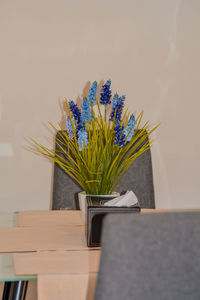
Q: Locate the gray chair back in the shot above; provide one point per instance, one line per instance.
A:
(150, 256)
(65, 189)
(138, 178)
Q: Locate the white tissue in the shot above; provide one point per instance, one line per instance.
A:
(127, 199)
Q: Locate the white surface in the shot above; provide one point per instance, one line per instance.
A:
(127, 199)
(149, 49)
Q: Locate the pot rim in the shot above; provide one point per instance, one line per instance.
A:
(101, 196)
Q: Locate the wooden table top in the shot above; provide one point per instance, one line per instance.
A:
(53, 244)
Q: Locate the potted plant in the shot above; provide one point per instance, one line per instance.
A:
(102, 139)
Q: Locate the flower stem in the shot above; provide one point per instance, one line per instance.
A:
(105, 112)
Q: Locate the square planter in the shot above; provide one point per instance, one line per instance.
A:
(94, 218)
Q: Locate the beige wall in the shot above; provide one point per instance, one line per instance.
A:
(50, 49)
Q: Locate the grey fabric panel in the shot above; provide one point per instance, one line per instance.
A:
(138, 178)
(150, 256)
(65, 190)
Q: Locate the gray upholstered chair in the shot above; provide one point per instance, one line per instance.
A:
(150, 256)
(138, 178)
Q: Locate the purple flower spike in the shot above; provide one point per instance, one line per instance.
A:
(106, 93)
(119, 136)
(75, 111)
(118, 104)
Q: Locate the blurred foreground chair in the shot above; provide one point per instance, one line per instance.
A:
(150, 256)
(138, 178)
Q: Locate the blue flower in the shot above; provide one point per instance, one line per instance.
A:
(82, 139)
(75, 111)
(115, 100)
(114, 103)
(70, 127)
(86, 111)
(117, 107)
(130, 129)
(93, 93)
(80, 126)
(119, 136)
(106, 93)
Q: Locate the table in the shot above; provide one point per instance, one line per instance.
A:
(13, 282)
(15, 285)
(14, 227)
(41, 222)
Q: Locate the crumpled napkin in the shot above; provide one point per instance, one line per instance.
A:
(128, 199)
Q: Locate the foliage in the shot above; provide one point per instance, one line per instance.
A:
(96, 150)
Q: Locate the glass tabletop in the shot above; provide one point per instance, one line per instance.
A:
(9, 220)
(7, 271)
